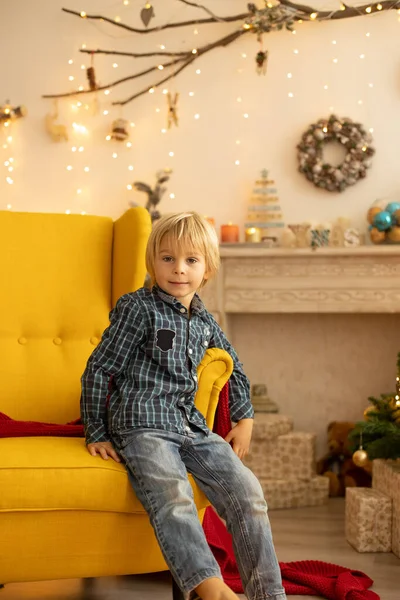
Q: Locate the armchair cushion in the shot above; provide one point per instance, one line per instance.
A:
(42, 473)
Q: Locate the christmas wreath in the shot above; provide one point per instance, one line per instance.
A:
(357, 143)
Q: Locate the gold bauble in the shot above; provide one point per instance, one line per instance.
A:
(393, 235)
(374, 210)
(368, 410)
(377, 237)
(397, 216)
(360, 458)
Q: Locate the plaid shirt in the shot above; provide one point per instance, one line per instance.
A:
(152, 349)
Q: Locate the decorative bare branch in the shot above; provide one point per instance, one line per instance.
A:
(230, 19)
(258, 21)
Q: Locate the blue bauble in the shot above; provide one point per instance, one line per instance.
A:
(383, 220)
(392, 207)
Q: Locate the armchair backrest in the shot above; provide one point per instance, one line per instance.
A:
(60, 277)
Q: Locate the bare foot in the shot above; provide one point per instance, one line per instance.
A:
(215, 589)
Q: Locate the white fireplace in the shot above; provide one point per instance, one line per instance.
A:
(320, 327)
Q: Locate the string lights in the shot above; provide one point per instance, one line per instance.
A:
(82, 128)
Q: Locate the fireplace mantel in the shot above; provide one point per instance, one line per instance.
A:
(256, 279)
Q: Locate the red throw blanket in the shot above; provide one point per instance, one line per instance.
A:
(308, 577)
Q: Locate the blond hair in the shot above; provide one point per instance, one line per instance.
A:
(188, 231)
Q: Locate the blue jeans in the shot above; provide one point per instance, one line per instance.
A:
(158, 462)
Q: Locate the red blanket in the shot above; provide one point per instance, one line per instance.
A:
(309, 577)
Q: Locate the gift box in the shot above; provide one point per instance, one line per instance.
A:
(268, 426)
(386, 477)
(294, 493)
(368, 522)
(290, 456)
(396, 530)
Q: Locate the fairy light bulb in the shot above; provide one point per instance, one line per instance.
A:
(115, 65)
(368, 9)
(67, 212)
(197, 116)
(114, 155)
(106, 92)
(160, 67)
(69, 168)
(237, 162)
(81, 149)
(198, 71)
(130, 168)
(289, 75)
(172, 196)
(191, 94)
(70, 61)
(379, 6)
(165, 91)
(171, 154)
(194, 51)
(313, 16)
(9, 180)
(129, 144)
(108, 138)
(117, 19)
(86, 169)
(151, 90)
(290, 94)
(83, 14)
(71, 77)
(246, 115)
(105, 112)
(129, 186)
(9, 206)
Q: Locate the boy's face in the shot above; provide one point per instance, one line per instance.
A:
(179, 272)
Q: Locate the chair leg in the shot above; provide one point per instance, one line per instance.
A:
(177, 593)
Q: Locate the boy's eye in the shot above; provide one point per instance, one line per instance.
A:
(167, 258)
(192, 260)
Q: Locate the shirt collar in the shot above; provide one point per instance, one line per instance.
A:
(196, 307)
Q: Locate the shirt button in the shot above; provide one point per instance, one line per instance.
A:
(190, 351)
(206, 343)
(182, 310)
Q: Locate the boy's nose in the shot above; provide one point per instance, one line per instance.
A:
(179, 267)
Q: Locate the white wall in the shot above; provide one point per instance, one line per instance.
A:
(38, 40)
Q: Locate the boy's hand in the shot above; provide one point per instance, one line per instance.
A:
(240, 436)
(105, 449)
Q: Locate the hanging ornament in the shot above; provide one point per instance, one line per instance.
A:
(172, 109)
(10, 113)
(360, 457)
(146, 14)
(119, 130)
(262, 61)
(57, 131)
(91, 75)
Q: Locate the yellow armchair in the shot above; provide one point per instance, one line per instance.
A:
(63, 513)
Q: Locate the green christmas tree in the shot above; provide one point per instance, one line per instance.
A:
(380, 432)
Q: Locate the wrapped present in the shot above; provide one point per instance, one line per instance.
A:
(290, 456)
(268, 426)
(386, 477)
(368, 520)
(294, 493)
(396, 530)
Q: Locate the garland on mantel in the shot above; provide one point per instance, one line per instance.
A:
(275, 16)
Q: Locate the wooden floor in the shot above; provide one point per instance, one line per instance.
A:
(299, 534)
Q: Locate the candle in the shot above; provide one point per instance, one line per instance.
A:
(230, 233)
(253, 235)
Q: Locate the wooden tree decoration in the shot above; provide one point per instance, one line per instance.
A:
(275, 16)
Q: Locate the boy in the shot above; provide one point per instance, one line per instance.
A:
(151, 349)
